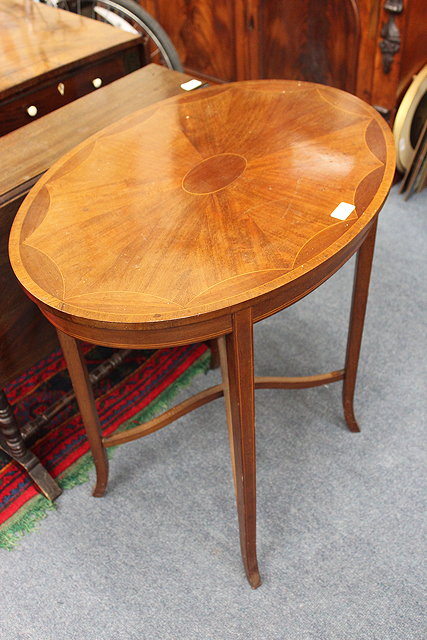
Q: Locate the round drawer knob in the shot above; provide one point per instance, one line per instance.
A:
(32, 111)
(97, 82)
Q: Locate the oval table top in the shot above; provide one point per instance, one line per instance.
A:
(203, 202)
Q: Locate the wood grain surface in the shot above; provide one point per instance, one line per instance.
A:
(322, 44)
(32, 149)
(203, 203)
(25, 335)
(37, 39)
(336, 42)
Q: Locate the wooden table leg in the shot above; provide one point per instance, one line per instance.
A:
(82, 388)
(240, 364)
(222, 355)
(215, 355)
(12, 442)
(357, 317)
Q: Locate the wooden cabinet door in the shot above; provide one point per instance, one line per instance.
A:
(220, 40)
(203, 32)
(334, 42)
(314, 40)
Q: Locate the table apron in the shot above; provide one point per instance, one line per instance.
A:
(139, 338)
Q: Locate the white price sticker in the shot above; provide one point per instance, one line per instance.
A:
(342, 211)
(191, 84)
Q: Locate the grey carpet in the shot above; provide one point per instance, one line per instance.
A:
(340, 515)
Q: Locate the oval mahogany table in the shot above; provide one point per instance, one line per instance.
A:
(196, 217)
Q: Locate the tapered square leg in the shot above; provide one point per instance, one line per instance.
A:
(362, 278)
(241, 401)
(82, 388)
(222, 354)
(215, 355)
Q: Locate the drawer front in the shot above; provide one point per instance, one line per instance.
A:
(65, 88)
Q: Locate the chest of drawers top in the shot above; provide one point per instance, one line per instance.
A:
(37, 41)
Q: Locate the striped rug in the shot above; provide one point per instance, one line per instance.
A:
(142, 386)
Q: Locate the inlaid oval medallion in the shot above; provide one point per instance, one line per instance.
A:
(214, 173)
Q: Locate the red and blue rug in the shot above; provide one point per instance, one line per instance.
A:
(142, 386)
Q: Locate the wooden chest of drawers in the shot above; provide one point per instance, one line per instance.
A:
(50, 57)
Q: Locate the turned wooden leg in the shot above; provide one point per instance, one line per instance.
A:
(240, 365)
(12, 442)
(357, 317)
(82, 388)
